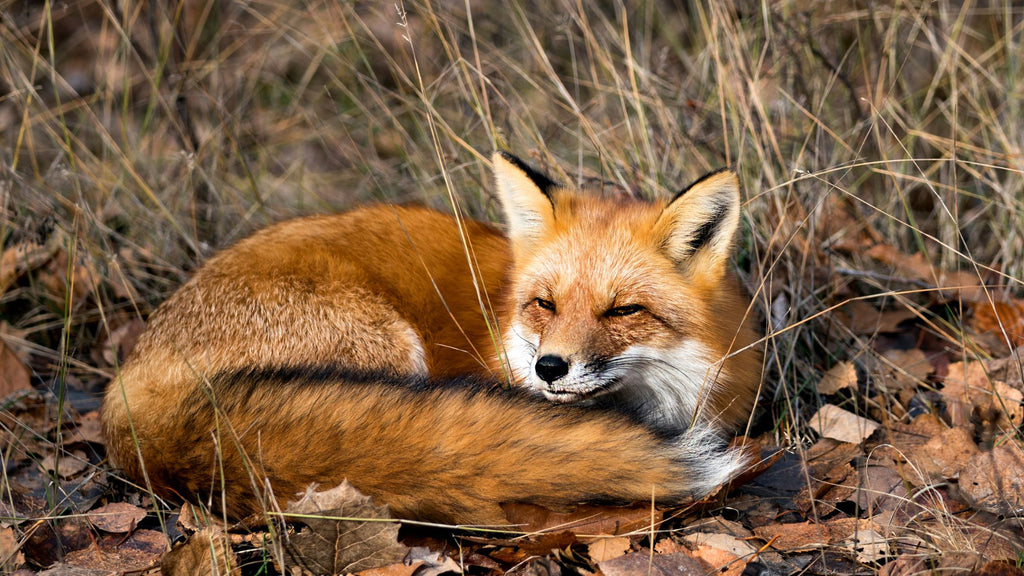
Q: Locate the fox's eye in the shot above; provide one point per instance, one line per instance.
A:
(627, 310)
(545, 304)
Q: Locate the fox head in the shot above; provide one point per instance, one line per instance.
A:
(622, 300)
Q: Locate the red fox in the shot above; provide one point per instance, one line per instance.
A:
(371, 345)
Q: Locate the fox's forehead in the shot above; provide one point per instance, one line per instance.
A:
(586, 222)
(580, 209)
(600, 248)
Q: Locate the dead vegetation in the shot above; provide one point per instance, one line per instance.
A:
(880, 146)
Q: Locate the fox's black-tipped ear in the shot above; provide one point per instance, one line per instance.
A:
(701, 222)
(525, 197)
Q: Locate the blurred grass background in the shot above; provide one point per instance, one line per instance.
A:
(139, 137)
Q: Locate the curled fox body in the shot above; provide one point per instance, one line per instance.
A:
(364, 346)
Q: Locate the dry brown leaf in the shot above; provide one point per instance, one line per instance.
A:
(950, 563)
(909, 266)
(515, 550)
(10, 550)
(721, 561)
(420, 561)
(995, 318)
(917, 267)
(679, 564)
(669, 546)
(869, 546)
(397, 569)
(732, 551)
(327, 545)
(863, 319)
(22, 258)
(998, 568)
(87, 429)
(14, 375)
(946, 455)
(826, 490)
(207, 552)
(968, 390)
(833, 479)
(994, 480)
(67, 465)
(117, 517)
(802, 537)
(602, 549)
(585, 520)
(833, 422)
(905, 370)
(839, 377)
(927, 425)
(140, 551)
(880, 488)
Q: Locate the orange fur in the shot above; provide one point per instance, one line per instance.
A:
(299, 355)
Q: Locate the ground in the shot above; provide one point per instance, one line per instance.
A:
(879, 146)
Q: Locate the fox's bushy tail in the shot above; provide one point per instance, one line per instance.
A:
(445, 452)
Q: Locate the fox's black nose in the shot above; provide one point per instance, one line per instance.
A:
(551, 368)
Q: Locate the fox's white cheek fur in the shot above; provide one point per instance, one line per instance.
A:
(520, 349)
(680, 379)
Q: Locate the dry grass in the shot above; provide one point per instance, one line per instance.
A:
(142, 141)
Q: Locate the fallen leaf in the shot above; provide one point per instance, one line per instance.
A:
(65, 464)
(795, 537)
(946, 455)
(721, 562)
(722, 551)
(870, 546)
(420, 561)
(62, 569)
(994, 480)
(724, 542)
(909, 266)
(949, 563)
(87, 428)
(833, 422)
(602, 549)
(10, 550)
(327, 545)
(839, 377)
(969, 390)
(585, 520)
(880, 488)
(635, 563)
(117, 517)
(905, 369)
(516, 550)
(22, 258)
(14, 375)
(1002, 321)
(719, 525)
(828, 466)
(996, 568)
(207, 552)
(863, 319)
(140, 551)
(397, 569)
